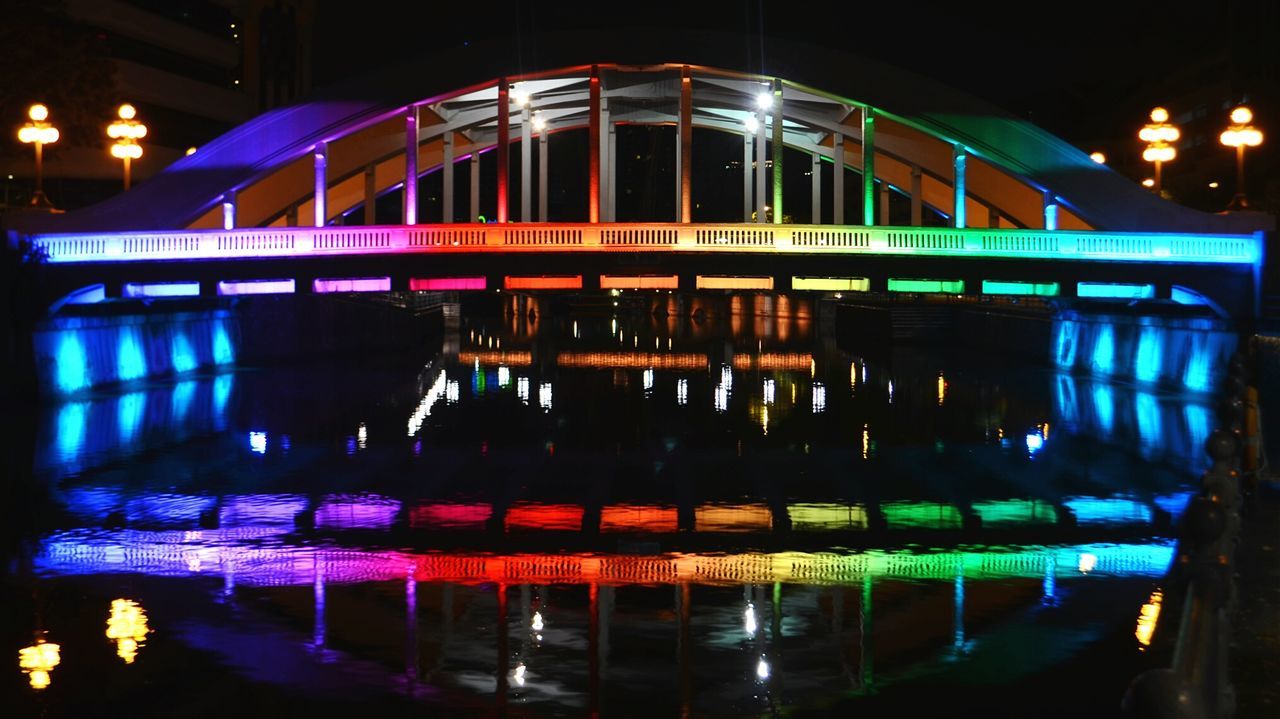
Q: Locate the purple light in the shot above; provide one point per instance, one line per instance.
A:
(356, 512)
(162, 289)
(352, 284)
(255, 287)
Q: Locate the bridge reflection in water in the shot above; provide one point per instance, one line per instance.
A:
(557, 510)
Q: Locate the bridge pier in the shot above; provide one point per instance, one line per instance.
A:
(837, 180)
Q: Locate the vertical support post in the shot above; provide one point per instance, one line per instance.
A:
(778, 151)
(322, 158)
(446, 178)
(747, 139)
(128, 173)
(542, 174)
(526, 165)
(606, 171)
(993, 217)
(684, 146)
(884, 203)
(504, 142)
(868, 166)
(1050, 211)
(593, 145)
(762, 164)
(611, 174)
(475, 185)
(815, 189)
(957, 199)
(917, 196)
(837, 180)
(410, 212)
(370, 194)
(229, 210)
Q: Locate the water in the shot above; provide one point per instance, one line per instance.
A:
(564, 514)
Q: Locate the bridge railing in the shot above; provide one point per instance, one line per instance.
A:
(272, 242)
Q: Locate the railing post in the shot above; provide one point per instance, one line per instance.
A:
(321, 182)
(410, 210)
(229, 210)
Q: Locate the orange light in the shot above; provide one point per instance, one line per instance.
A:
(639, 282)
(638, 518)
(633, 360)
(488, 359)
(560, 282)
(527, 515)
(732, 518)
(798, 361)
(38, 113)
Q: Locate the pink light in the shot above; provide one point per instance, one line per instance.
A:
(256, 287)
(352, 284)
(447, 283)
(449, 516)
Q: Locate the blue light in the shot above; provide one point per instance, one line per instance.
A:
(1175, 504)
(129, 411)
(223, 351)
(1198, 418)
(1104, 407)
(258, 442)
(1066, 340)
(1104, 349)
(1108, 510)
(72, 419)
(1196, 377)
(73, 367)
(1148, 413)
(1150, 351)
(184, 357)
(131, 362)
(1068, 402)
(221, 393)
(1107, 290)
(180, 402)
(1034, 442)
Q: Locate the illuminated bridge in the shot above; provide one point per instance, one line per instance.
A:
(935, 193)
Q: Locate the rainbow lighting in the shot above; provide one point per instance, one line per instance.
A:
(256, 287)
(950, 287)
(352, 284)
(161, 289)
(438, 284)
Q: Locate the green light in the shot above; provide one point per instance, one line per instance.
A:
(950, 287)
(1014, 512)
(921, 515)
(1002, 287)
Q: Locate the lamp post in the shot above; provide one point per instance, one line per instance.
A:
(1159, 134)
(126, 132)
(38, 132)
(1240, 135)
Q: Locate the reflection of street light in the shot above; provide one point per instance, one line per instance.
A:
(127, 625)
(38, 660)
(126, 132)
(1240, 135)
(1159, 134)
(38, 132)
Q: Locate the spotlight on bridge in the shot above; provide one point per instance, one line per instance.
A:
(1098, 157)
(520, 97)
(764, 100)
(752, 124)
(539, 122)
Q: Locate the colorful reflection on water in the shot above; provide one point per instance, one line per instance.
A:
(573, 515)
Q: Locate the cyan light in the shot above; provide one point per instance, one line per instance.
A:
(1104, 406)
(1112, 290)
(1108, 510)
(1104, 349)
(223, 351)
(1068, 403)
(1066, 341)
(129, 411)
(184, 356)
(180, 402)
(72, 419)
(1197, 375)
(131, 361)
(72, 364)
(221, 393)
(1148, 412)
(1150, 353)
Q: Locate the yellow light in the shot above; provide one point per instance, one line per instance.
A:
(1159, 114)
(1147, 618)
(121, 150)
(127, 625)
(942, 389)
(1159, 153)
(866, 441)
(38, 112)
(38, 660)
(127, 111)
(1148, 134)
(191, 150)
(1148, 182)
(1242, 115)
(1251, 137)
(1230, 138)
(1213, 185)
(1098, 157)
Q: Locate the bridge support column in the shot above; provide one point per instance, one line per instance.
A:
(611, 174)
(322, 157)
(815, 188)
(1050, 211)
(684, 148)
(747, 139)
(593, 146)
(410, 211)
(370, 195)
(542, 175)
(526, 165)
(446, 178)
(868, 166)
(504, 147)
(778, 151)
(475, 185)
(837, 180)
(229, 210)
(957, 198)
(917, 196)
(762, 162)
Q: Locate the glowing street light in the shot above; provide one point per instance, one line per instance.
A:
(539, 122)
(1159, 136)
(37, 660)
(126, 132)
(39, 132)
(1098, 157)
(1240, 135)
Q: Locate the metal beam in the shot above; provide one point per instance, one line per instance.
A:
(837, 180)
(684, 147)
(446, 179)
(957, 200)
(542, 174)
(868, 166)
(371, 194)
(779, 149)
(815, 188)
(593, 144)
(410, 212)
(504, 146)
(526, 165)
(606, 170)
(321, 164)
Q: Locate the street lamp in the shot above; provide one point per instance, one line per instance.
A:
(1159, 134)
(126, 132)
(1240, 135)
(38, 132)
(1098, 157)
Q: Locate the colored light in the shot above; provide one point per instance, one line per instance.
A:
(258, 442)
(639, 282)
(224, 352)
(131, 363)
(921, 515)
(563, 282)
(256, 287)
(633, 360)
(183, 355)
(721, 282)
(1148, 617)
(1108, 510)
(129, 411)
(951, 287)
(340, 511)
(1159, 114)
(1003, 287)
(732, 518)
(439, 284)
(530, 516)
(162, 289)
(127, 627)
(38, 660)
(1242, 115)
(827, 517)
(1098, 157)
(638, 518)
(1034, 442)
(1109, 290)
(38, 112)
(72, 371)
(831, 284)
(999, 513)
(1150, 352)
(352, 284)
(450, 516)
(797, 361)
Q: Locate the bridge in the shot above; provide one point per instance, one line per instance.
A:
(935, 193)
